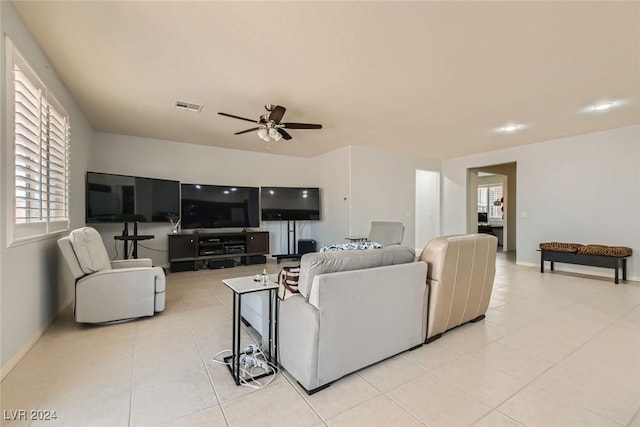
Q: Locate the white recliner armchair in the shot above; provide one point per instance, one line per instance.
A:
(386, 232)
(105, 290)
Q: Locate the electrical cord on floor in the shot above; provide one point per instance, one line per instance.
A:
(247, 375)
(153, 249)
(115, 247)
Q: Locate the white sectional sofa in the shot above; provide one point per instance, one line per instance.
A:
(355, 308)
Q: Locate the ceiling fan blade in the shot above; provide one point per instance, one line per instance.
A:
(284, 134)
(237, 117)
(301, 126)
(246, 131)
(277, 113)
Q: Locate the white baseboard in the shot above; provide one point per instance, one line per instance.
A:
(11, 363)
(527, 264)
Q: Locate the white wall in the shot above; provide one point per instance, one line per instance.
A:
(333, 171)
(383, 188)
(357, 184)
(190, 163)
(583, 189)
(427, 207)
(33, 286)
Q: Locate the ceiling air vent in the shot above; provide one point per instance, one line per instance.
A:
(186, 106)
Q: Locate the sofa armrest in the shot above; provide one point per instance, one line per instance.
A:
(298, 328)
(130, 263)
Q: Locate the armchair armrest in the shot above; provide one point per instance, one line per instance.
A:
(119, 277)
(130, 263)
(115, 294)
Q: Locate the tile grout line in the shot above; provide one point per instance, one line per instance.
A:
(204, 363)
(390, 398)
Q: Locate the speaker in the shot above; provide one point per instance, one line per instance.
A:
(214, 264)
(305, 246)
(181, 266)
(254, 259)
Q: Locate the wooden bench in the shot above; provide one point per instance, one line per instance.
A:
(592, 255)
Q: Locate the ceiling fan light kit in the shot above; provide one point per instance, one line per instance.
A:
(270, 127)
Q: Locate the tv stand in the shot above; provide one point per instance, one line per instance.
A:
(217, 250)
(134, 239)
(291, 231)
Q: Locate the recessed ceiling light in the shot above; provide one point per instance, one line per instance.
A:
(226, 191)
(602, 106)
(511, 127)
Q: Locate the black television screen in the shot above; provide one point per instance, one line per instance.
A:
(483, 217)
(122, 198)
(290, 204)
(218, 206)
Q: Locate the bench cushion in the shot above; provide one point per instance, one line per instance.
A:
(591, 249)
(560, 247)
(615, 251)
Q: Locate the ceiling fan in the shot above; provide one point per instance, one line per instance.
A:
(270, 126)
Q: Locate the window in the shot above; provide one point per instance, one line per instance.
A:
(40, 132)
(490, 201)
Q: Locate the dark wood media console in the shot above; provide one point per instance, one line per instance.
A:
(191, 251)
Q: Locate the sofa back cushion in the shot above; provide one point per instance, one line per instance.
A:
(313, 264)
(89, 249)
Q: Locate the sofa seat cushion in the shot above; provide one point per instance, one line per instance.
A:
(89, 249)
(316, 263)
(615, 251)
(560, 247)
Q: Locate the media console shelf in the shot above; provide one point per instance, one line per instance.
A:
(192, 251)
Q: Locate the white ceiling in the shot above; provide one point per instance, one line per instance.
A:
(431, 79)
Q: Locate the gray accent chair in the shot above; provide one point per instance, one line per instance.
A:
(386, 232)
(460, 280)
(355, 308)
(107, 291)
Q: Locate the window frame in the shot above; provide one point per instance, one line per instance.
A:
(45, 227)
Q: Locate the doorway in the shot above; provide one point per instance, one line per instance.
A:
(491, 202)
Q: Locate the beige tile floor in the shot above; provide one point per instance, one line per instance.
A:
(556, 349)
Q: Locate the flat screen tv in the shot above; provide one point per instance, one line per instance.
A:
(123, 198)
(290, 204)
(219, 206)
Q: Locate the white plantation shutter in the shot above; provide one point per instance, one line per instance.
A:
(41, 155)
(58, 165)
(482, 199)
(495, 194)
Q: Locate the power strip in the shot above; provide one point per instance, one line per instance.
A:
(247, 362)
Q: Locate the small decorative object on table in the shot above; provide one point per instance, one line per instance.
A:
(175, 225)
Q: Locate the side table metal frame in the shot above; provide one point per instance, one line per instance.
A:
(233, 361)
